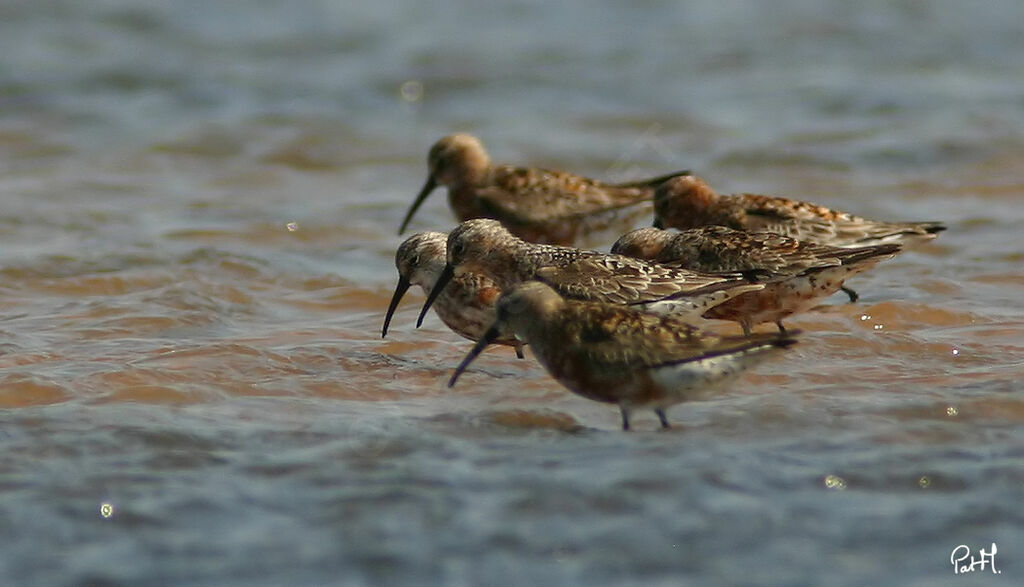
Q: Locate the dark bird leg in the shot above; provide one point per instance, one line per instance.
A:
(661, 416)
(519, 351)
(625, 417)
(782, 329)
(854, 296)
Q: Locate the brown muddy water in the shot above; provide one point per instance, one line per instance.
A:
(196, 250)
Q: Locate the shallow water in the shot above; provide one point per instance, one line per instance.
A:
(199, 213)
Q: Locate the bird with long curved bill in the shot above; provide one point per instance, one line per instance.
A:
(613, 354)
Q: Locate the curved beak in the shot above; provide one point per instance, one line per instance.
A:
(492, 333)
(400, 289)
(435, 291)
(427, 188)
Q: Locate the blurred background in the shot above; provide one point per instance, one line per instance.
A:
(200, 204)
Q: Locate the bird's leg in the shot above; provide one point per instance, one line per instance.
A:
(854, 296)
(519, 350)
(661, 416)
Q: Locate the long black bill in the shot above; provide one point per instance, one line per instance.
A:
(442, 281)
(427, 188)
(400, 289)
(492, 333)
(652, 182)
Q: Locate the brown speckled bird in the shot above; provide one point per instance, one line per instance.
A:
(610, 353)
(796, 274)
(537, 205)
(467, 304)
(689, 202)
(485, 246)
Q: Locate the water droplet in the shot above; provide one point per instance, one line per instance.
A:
(412, 91)
(924, 482)
(865, 317)
(107, 510)
(835, 482)
(956, 352)
(951, 411)
(292, 226)
(879, 326)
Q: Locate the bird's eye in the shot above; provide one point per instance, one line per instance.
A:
(458, 249)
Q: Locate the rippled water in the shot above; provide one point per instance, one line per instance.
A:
(196, 249)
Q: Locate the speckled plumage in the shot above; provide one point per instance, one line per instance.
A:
(537, 205)
(796, 274)
(467, 304)
(485, 246)
(611, 353)
(689, 202)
